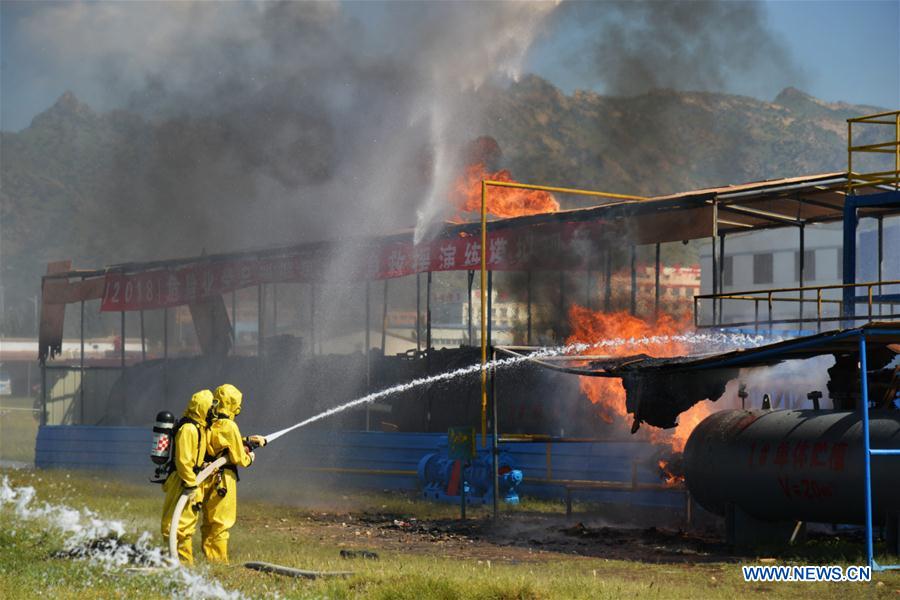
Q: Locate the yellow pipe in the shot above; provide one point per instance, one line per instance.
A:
(870, 302)
(735, 224)
(849, 156)
(874, 174)
(561, 190)
(835, 286)
(858, 180)
(774, 298)
(866, 118)
(819, 304)
(883, 150)
(524, 186)
(873, 182)
(483, 313)
(877, 122)
(873, 147)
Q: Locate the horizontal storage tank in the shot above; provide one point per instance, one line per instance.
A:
(802, 465)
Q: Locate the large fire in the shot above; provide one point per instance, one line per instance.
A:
(653, 338)
(501, 201)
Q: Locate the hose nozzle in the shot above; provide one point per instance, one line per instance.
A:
(255, 441)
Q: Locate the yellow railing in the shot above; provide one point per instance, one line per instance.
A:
(770, 297)
(857, 179)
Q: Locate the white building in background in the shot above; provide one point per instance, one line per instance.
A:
(771, 259)
(504, 312)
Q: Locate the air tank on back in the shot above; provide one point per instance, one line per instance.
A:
(803, 465)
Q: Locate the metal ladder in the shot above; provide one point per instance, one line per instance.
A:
(869, 451)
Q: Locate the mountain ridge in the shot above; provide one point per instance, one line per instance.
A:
(111, 187)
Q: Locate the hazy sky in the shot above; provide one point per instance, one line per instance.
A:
(840, 50)
(844, 50)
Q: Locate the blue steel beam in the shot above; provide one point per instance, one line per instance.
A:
(851, 221)
(885, 199)
(849, 255)
(864, 384)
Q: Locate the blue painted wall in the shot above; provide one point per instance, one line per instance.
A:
(127, 449)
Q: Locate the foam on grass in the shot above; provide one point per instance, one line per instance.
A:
(87, 536)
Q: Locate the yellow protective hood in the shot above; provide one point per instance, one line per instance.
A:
(198, 407)
(228, 400)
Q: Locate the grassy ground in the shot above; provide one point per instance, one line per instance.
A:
(18, 428)
(407, 567)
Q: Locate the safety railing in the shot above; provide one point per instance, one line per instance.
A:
(888, 177)
(767, 306)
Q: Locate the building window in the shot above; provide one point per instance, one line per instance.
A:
(728, 271)
(763, 268)
(809, 265)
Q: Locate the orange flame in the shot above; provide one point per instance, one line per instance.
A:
(669, 477)
(686, 423)
(501, 202)
(607, 393)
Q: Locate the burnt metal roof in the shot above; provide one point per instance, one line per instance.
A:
(657, 390)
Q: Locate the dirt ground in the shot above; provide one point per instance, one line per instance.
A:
(513, 538)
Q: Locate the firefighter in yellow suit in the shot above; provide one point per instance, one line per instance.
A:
(189, 454)
(220, 504)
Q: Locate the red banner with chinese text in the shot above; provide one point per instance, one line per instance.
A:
(556, 246)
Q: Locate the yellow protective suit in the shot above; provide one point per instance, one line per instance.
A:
(190, 452)
(220, 501)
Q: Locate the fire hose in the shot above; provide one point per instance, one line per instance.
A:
(183, 500)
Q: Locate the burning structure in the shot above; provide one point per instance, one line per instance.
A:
(570, 271)
(564, 243)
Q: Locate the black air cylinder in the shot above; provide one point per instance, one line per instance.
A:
(803, 465)
(161, 450)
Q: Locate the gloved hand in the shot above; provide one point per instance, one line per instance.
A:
(252, 457)
(258, 440)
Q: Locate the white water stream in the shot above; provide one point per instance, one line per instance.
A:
(698, 342)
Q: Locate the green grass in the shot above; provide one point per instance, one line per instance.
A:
(308, 539)
(18, 429)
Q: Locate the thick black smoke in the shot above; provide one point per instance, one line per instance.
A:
(300, 119)
(284, 121)
(635, 46)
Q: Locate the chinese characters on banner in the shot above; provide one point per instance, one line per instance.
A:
(549, 246)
